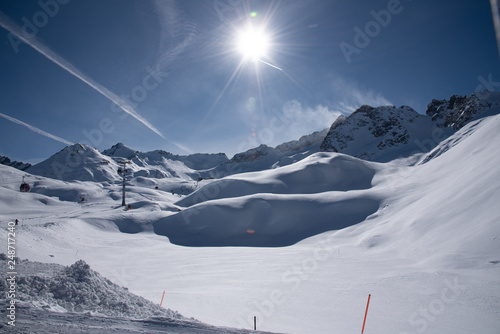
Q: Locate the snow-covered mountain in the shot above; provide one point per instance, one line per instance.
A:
(198, 161)
(380, 134)
(77, 162)
(84, 163)
(386, 133)
(16, 164)
(120, 150)
(265, 157)
(375, 134)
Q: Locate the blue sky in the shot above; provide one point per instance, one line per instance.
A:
(182, 85)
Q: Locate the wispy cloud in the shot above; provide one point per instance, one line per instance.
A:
(16, 30)
(177, 29)
(305, 120)
(184, 148)
(36, 130)
(349, 96)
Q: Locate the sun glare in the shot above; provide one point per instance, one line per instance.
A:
(253, 43)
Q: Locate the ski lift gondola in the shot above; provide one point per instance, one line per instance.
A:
(24, 187)
(122, 171)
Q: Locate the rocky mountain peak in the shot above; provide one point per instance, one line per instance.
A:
(459, 110)
(120, 150)
(372, 132)
(16, 164)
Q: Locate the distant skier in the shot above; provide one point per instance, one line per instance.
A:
(17, 221)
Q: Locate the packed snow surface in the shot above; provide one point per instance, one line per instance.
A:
(420, 234)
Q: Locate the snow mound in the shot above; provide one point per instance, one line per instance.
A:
(51, 298)
(275, 208)
(265, 220)
(318, 173)
(77, 288)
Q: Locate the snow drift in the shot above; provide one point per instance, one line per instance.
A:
(278, 207)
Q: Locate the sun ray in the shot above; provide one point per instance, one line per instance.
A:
(251, 38)
(223, 91)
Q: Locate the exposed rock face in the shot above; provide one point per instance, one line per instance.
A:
(16, 164)
(454, 112)
(370, 133)
(385, 133)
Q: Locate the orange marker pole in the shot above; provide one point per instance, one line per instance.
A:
(366, 312)
(162, 297)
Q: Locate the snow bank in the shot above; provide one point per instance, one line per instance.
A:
(77, 288)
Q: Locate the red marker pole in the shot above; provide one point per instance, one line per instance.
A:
(162, 297)
(366, 312)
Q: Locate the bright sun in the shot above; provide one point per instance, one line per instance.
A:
(253, 43)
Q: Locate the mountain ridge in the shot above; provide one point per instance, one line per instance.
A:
(371, 133)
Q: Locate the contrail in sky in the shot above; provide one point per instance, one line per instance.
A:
(496, 20)
(265, 62)
(16, 30)
(37, 130)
